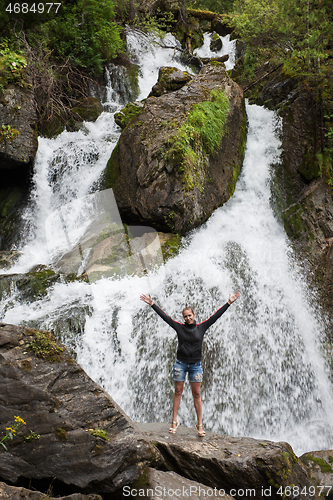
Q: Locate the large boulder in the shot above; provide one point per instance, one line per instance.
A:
(238, 466)
(176, 162)
(73, 430)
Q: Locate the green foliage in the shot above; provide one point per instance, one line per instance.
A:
(85, 33)
(219, 6)
(295, 33)
(8, 133)
(200, 135)
(99, 433)
(44, 347)
(82, 31)
(32, 436)
(12, 64)
(159, 23)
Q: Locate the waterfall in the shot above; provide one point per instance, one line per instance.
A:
(263, 372)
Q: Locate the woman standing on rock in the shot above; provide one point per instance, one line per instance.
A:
(190, 336)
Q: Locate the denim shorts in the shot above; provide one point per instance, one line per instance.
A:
(194, 371)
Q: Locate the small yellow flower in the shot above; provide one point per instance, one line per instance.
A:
(10, 429)
(19, 420)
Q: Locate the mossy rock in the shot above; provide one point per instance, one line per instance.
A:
(44, 346)
(52, 127)
(170, 245)
(124, 116)
(88, 110)
(215, 43)
(31, 286)
(310, 168)
(170, 79)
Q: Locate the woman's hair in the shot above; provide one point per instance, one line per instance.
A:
(188, 309)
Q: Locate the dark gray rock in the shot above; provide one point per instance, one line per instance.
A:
(18, 144)
(216, 43)
(15, 493)
(59, 402)
(174, 485)
(234, 464)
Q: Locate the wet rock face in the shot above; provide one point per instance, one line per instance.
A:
(85, 440)
(162, 179)
(18, 141)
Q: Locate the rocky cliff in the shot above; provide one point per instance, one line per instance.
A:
(177, 160)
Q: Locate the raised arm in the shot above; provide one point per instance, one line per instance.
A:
(210, 321)
(159, 311)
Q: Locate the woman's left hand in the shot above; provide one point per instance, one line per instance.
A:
(232, 298)
(147, 300)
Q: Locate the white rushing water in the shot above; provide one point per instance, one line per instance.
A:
(263, 372)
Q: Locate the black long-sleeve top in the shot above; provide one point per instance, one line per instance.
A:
(190, 337)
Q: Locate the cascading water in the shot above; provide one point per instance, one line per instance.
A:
(263, 373)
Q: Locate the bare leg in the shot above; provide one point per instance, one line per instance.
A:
(195, 387)
(179, 386)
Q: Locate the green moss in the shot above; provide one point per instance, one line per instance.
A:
(133, 73)
(8, 133)
(52, 127)
(12, 67)
(125, 116)
(89, 109)
(199, 135)
(310, 168)
(26, 365)
(324, 466)
(170, 247)
(45, 347)
(34, 285)
(61, 434)
(112, 171)
(101, 433)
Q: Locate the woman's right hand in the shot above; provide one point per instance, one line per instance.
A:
(147, 300)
